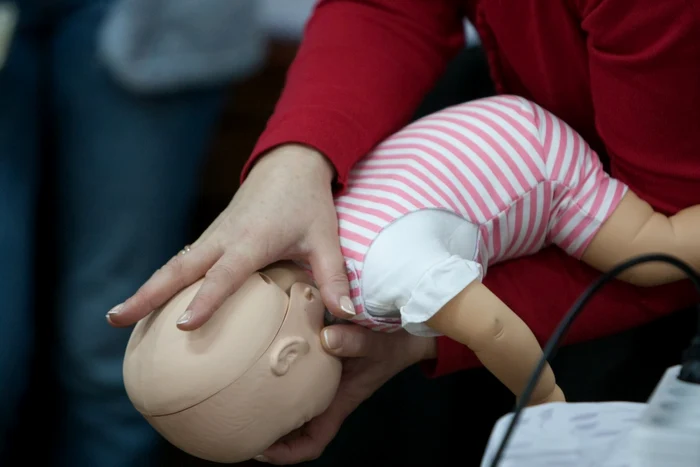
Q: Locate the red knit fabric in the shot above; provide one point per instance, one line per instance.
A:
(623, 73)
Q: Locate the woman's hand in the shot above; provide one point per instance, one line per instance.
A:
(283, 210)
(372, 359)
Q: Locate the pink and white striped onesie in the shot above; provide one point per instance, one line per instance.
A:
(431, 207)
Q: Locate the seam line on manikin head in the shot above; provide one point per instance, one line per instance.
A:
(274, 338)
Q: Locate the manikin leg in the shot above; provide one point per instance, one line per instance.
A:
(504, 343)
(499, 338)
(634, 229)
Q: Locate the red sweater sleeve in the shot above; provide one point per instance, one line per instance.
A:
(644, 61)
(361, 71)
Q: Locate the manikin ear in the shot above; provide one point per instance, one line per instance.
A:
(285, 352)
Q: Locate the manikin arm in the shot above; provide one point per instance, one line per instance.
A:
(499, 338)
(503, 342)
(634, 229)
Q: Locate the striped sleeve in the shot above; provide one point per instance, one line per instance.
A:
(585, 195)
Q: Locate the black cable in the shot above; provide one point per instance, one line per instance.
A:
(691, 366)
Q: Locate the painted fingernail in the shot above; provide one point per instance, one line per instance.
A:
(261, 458)
(185, 317)
(347, 306)
(114, 311)
(332, 338)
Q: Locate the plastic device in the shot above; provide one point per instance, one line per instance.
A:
(668, 433)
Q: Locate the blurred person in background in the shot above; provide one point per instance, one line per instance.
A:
(113, 101)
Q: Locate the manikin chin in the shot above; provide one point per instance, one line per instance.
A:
(252, 374)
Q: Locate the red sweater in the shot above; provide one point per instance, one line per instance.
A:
(623, 73)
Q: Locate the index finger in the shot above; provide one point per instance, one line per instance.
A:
(235, 266)
(180, 272)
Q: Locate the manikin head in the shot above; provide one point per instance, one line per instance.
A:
(253, 373)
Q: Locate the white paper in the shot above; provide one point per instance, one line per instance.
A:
(567, 434)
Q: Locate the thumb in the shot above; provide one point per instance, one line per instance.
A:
(328, 268)
(349, 340)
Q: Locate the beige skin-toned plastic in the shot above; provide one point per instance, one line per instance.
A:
(504, 343)
(252, 374)
(256, 370)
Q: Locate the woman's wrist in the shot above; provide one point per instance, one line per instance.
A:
(430, 352)
(425, 348)
(299, 158)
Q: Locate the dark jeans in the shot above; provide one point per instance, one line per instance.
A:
(119, 174)
(414, 421)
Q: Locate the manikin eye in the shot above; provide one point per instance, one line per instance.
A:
(265, 278)
(285, 285)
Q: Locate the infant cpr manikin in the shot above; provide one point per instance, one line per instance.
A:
(252, 374)
(422, 218)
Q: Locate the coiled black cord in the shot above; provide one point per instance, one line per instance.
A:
(690, 371)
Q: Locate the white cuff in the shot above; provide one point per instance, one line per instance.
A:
(440, 284)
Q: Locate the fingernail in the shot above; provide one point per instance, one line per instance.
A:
(114, 311)
(261, 458)
(347, 306)
(185, 317)
(332, 338)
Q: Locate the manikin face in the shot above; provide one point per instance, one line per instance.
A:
(251, 375)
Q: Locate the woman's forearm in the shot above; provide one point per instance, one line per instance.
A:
(361, 71)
